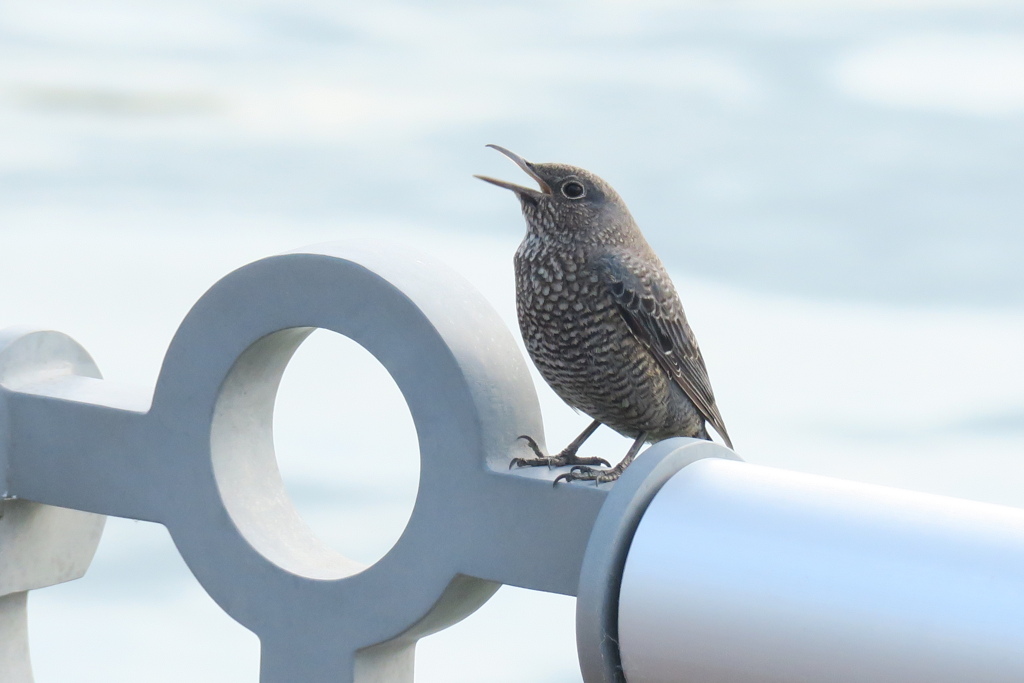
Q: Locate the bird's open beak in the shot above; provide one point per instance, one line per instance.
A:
(526, 166)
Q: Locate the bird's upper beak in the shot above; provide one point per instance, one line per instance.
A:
(526, 166)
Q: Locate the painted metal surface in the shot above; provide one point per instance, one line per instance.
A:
(694, 566)
(197, 455)
(597, 602)
(745, 573)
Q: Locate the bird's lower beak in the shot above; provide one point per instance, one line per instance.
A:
(526, 166)
(518, 189)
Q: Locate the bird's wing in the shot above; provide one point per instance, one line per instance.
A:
(652, 310)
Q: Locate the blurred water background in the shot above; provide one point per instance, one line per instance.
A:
(836, 188)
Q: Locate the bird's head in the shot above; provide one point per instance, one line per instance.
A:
(571, 204)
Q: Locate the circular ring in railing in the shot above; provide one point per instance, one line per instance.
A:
(450, 355)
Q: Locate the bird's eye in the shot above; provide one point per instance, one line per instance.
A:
(573, 190)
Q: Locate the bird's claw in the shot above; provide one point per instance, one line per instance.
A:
(533, 446)
(580, 473)
(576, 473)
(563, 459)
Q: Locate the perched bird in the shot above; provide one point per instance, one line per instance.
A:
(602, 321)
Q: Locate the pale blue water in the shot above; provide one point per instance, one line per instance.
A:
(735, 135)
(835, 189)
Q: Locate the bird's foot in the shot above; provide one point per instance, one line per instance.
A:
(566, 457)
(589, 474)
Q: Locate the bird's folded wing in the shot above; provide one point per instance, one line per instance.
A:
(651, 308)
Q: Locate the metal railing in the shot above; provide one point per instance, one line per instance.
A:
(693, 566)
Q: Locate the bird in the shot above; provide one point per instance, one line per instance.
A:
(602, 321)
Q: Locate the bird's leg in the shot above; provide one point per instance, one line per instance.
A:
(566, 457)
(601, 476)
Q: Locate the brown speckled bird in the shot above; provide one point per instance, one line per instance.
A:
(602, 321)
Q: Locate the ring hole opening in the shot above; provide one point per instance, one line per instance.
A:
(346, 446)
(315, 453)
